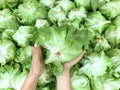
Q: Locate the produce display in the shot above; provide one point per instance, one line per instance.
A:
(64, 29)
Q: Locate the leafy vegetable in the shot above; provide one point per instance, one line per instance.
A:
(56, 15)
(7, 51)
(112, 35)
(7, 20)
(110, 9)
(29, 11)
(24, 56)
(84, 3)
(96, 64)
(7, 73)
(64, 29)
(24, 35)
(48, 3)
(64, 41)
(96, 22)
(66, 5)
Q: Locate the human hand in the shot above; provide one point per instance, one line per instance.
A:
(37, 65)
(69, 64)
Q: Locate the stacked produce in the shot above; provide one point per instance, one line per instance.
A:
(64, 28)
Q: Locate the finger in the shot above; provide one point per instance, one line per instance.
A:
(75, 61)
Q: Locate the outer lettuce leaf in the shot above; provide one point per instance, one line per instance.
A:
(112, 34)
(45, 78)
(111, 9)
(8, 73)
(7, 51)
(29, 11)
(24, 35)
(116, 21)
(103, 83)
(56, 14)
(24, 56)
(80, 82)
(41, 23)
(48, 3)
(95, 65)
(18, 80)
(8, 3)
(61, 44)
(7, 20)
(8, 33)
(66, 5)
(77, 13)
(97, 22)
(84, 3)
(101, 44)
(95, 4)
(114, 54)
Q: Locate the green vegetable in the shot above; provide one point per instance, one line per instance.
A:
(110, 9)
(84, 3)
(77, 13)
(96, 64)
(96, 22)
(7, 20)
(48, 3)
(103, 83)
(8, 33)
(24, 35)
(7, 51)
(29, 11)
(61, 43)
(113, 35)
(56, 14)
(80, 82)
(66, 5)
(8, 73)
(64, 29)
(41, 23)
(24, 56)
(101, 44)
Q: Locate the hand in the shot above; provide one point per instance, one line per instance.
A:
(69, 64)
(63, 80)
(37, 66)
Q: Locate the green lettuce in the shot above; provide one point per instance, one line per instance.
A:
(112, 34)
(8, 73)
(84, 3)
(66, 5)
(56, 14)
(8, 33)
(95, 64)
(61, 43)
(97, 22)
(7, 51)
(111, 9)
(80, 82)
(24, 35)
(7, 20)
(24, 56)
(29, 11)
(105, 83)
(48, 3)
(77, 13)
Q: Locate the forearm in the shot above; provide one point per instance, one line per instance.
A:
(30, 82)
(63, 81)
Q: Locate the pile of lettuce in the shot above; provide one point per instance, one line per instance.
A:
(64, 28)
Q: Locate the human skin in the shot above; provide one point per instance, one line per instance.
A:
(37, 67)
(64, 80)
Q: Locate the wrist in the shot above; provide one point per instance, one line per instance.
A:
(34, 75)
